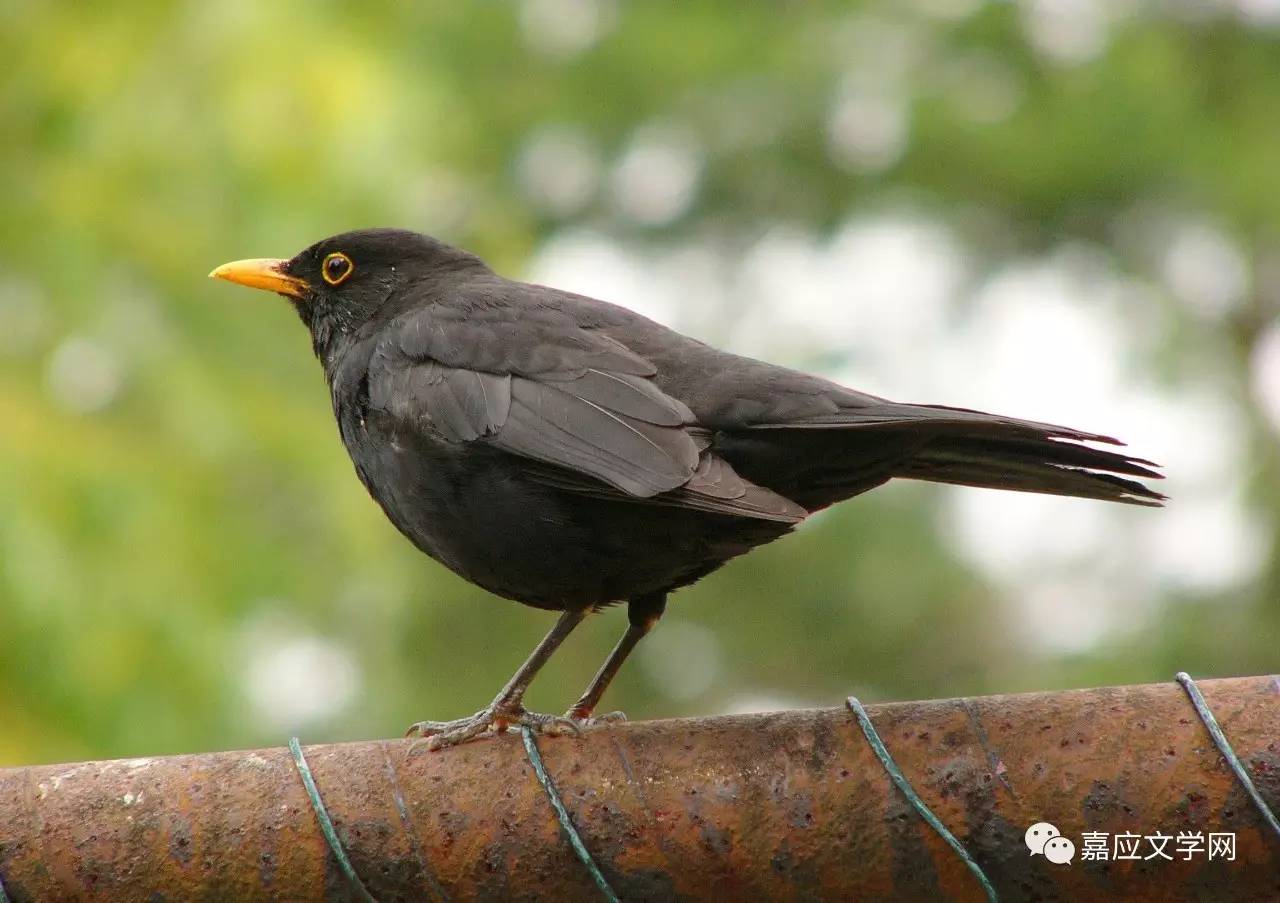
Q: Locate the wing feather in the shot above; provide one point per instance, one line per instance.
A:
(534, 383)
(549, 423)
(579, 405)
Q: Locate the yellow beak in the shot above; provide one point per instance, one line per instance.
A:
(264, 273)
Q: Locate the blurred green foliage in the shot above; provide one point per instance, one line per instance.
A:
(176, 508)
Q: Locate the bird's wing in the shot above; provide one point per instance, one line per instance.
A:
(715, 487)
(535, 383)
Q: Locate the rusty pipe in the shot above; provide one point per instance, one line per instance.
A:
(784, 806)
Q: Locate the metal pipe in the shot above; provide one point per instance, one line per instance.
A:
(786, 806)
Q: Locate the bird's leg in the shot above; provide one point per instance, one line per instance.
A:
(643, 613)
(506, 708)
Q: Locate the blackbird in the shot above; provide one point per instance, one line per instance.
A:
(568, 453)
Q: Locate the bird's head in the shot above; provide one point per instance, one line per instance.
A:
(343, 282)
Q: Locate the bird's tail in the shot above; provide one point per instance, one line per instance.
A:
(986, 450)
(880, 441)
(1049, 466)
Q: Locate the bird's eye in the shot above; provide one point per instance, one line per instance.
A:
(336, 268)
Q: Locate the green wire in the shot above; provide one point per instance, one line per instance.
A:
(1224, 747)
(326, 823)
(900, 781)
(535, 759)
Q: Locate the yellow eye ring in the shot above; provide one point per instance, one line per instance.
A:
(336, 268)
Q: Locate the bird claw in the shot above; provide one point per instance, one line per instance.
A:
(552, 725)
(588, 722)
(423, 729)
(491, 720)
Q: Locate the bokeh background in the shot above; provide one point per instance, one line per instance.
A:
(1061, 209)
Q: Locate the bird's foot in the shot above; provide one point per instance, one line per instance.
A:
(586, 721)
(491, 720)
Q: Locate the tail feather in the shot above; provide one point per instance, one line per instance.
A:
(1012, 466)
(939, 417)
(995, 452)
(1040, 451)
(970, 448)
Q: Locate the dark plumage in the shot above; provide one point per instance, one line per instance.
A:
(568, 453)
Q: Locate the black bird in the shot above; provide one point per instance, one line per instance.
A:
(569, 454)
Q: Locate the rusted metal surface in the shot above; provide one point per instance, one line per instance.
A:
(791, 806)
